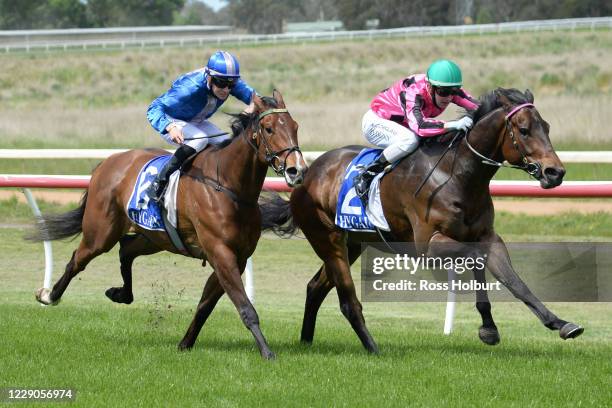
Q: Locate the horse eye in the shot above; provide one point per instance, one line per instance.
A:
(524, 131)
(269, 130)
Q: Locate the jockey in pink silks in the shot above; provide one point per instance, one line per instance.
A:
(402, 114)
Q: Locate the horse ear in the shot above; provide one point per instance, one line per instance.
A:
(279, 98)
(529, 95)
(259, 103)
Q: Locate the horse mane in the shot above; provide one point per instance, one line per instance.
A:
(243, 121)
(490, 101)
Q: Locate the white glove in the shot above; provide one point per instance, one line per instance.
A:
(464, 124)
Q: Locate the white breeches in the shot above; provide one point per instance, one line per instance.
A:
(396, 140)
(196, 134)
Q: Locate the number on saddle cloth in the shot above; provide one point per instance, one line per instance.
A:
(350, 213)
(141, 209)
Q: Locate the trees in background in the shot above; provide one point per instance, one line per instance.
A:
(497, 11)
(269, 16)
(30, 14)
(26, 14)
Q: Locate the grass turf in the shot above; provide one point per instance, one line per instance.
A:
(126, 355)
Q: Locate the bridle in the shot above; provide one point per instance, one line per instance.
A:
(272, 157)
(532, 168)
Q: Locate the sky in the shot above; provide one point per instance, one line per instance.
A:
(214, 4)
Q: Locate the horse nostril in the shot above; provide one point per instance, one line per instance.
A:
(554, 172)
(291, 172)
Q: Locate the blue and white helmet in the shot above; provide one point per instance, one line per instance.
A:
(223, 64)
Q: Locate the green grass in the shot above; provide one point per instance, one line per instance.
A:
(99, 99)
(111, 353)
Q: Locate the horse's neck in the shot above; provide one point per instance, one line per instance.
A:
(486, 139)
(242, 170)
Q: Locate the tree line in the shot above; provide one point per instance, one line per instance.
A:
(269, 16)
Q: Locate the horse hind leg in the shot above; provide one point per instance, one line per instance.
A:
(210, 296)
(317, 290)
(337, 267)
(99, 236)
(130, 247)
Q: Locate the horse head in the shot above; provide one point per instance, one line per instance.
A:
(275, 136)
(523, 139)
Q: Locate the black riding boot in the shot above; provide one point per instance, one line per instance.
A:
(362, 181)
(157, 187)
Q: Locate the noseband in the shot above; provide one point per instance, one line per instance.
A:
(532, 168)
(273, 156)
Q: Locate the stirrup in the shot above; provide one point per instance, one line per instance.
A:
(154, 193)
(361, 179)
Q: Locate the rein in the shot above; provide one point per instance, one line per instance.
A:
(450, 146)
(534, 169)
(272, 156)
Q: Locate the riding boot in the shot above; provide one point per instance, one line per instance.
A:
(362, 181)
(156, 190)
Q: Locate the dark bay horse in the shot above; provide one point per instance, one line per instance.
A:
(218, 215)
(453, 206)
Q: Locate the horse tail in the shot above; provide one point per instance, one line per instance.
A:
(276, 215)
(50, 227)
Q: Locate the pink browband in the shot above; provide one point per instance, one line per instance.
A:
(518, 108)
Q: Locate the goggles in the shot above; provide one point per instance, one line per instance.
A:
(444, 92)
(221, 82)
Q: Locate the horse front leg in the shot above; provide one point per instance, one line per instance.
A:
(228, 270)
(440, 245)
(488, 332)
(500, 266)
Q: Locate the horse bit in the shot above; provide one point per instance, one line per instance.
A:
(532, 168)
(272, 157)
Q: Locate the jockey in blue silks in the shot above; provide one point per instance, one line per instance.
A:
(181, 114)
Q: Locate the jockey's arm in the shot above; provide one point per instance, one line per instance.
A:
(465, 100)
(250, 108)
(246, 94)
(418, 123)
(162, 106)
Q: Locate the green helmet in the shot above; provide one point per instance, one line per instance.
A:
(444, 73)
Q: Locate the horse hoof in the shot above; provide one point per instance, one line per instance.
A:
(184, 347)
(373, 349)
(117, 295)
(306, 342)
(489, 335)
(268, 355)
(570, 331)
(43, 295)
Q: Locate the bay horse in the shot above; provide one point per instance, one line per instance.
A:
(453, 205)
(218, 215)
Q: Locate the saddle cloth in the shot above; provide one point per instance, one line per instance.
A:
(141, 209)
(350, 214)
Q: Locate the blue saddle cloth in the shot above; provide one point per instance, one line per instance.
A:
(350, 213)
(140, 209)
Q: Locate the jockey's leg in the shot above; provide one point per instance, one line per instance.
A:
(157, 187)
(398, 141)
(197, 136)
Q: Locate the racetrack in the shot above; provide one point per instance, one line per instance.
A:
(110, 352)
